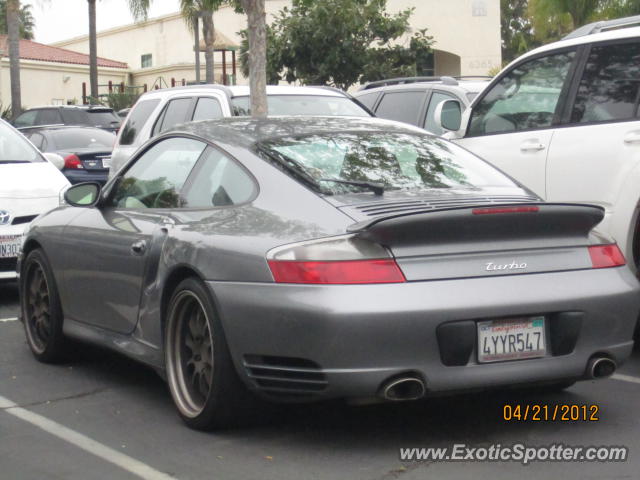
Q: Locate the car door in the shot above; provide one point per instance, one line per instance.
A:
(599, 147)
(512, 124)
(113, 249)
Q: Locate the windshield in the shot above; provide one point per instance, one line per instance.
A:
(72, 138)
(396, 161)
(14, 148)
(303, 105)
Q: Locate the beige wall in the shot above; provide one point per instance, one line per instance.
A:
(469, 29)
(43, 83)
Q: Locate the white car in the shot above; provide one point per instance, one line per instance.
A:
(160, 110)
(30, 184)
(564, 120)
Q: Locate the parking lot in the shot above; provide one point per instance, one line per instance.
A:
(102, 416)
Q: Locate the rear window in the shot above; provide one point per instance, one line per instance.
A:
(75, 117)
(14, 148)
(137, 119)
(397, 161)
(73, 138)
(103, 118)
(303, 105)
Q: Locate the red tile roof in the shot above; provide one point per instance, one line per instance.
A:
(45, 53)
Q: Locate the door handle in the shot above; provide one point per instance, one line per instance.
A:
(532, 146)
(632, 137)
(139, 247)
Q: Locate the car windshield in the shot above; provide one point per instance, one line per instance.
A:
(14, 148)
(303, 105)
(395, 161)
(72, 138)
(103, 118)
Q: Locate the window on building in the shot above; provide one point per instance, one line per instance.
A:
(146, 60)
(425, 65)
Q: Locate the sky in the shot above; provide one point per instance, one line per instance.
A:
(61, 19)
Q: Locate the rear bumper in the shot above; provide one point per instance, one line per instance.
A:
(78, 176)
(354, 337)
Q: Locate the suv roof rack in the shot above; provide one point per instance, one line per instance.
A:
(603, 26)
(447, 80)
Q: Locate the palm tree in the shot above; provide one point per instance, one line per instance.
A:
(256, 21)
(13, 31)
(553, 18)
(27, 23)
(93, 51)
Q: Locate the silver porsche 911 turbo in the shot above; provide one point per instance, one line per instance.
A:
(296, 259)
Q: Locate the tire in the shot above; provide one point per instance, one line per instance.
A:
(41, 309)
(204, 385)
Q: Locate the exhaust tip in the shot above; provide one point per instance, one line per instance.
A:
(602, 367)
(404, 388)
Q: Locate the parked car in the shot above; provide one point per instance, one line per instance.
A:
(563, 119)
(90, 115)
(311, 258)
(160, 110)
(86, 151)
(30, 184)
(414, 99)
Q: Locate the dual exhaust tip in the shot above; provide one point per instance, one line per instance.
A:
(411, 387)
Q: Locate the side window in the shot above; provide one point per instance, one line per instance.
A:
(174, 113)
(430, 122)
(27, 119)
(610, 84)
(157, 176)
(48, 116)
(220, 182)
(368, 99)
(525, 98)
(207, 108)
(401, 106)
(138, 117)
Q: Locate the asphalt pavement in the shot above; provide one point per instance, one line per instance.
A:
(101, 416)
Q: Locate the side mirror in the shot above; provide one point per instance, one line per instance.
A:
(448, 115)
(56, 159)
(83, 194)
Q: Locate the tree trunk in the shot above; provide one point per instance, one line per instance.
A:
(196, 42)
(93, 51)
(13, 30)
(209, 36)
(256, 21)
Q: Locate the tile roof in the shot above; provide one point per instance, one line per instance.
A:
(30, 50)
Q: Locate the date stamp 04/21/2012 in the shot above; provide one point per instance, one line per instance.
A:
(561, 412)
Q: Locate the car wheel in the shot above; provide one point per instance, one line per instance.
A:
(41, 310)
(203, 382)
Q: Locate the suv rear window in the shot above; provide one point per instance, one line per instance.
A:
(137, 119)
(103, 118)
(74, 116)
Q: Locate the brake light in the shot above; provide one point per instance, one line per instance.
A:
(605, 256)
(344, 259)
(72, 161)
(493, 210)
(340, 272)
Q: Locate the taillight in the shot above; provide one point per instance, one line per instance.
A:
(605, 256)
(494, 210)
(336, 260)
(72, 161)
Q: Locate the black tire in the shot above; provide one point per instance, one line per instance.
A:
(204, 385)
(41, 309)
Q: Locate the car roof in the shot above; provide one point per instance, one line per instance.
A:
(96, 108)
(243, 90)
(467, 86)
(59, 126)
(621, 33)
(245, 131)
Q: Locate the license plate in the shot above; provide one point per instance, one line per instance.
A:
(10, 245)
(511, 339)
(106, 163)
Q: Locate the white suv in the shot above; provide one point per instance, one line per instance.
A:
(160, 110)
(563, 119)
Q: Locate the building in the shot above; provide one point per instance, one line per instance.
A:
(53, 75)
(467, 35)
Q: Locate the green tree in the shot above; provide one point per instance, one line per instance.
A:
(340, 43)
(25, 17)
(516, 29)
(553, 19)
